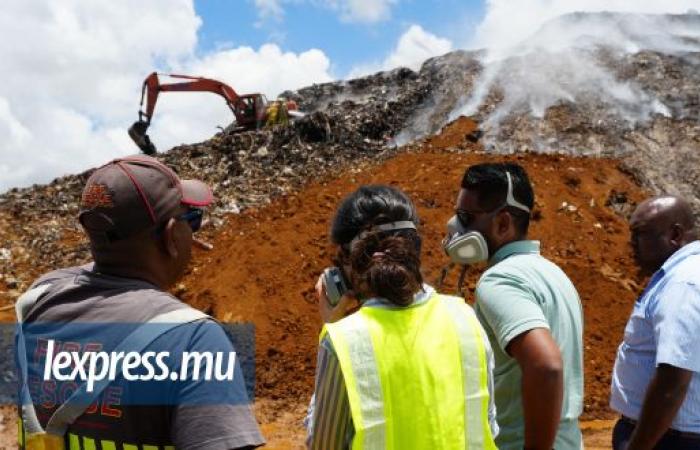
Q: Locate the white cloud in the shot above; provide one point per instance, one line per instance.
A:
(71, 79)
(507, 22)
(269, 9)
(413, 47)
(363, 11)
(354, 11)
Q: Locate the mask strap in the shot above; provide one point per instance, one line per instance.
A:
(460, 282)
(443, 275)
(391, 226)
(510, 200)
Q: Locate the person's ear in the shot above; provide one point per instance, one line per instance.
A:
(169, 237)
(503, 222)
(677, 235)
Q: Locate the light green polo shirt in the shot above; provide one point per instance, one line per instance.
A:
(520, 291)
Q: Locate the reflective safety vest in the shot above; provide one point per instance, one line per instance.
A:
(75, 442)
(416, 377)
(32, 435)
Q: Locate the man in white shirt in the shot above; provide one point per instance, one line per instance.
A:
(656, 379)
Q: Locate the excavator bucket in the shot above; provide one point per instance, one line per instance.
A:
(137, 132)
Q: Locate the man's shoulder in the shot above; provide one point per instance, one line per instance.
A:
(75, 291)
(681, 283)
(524, 265)
(512, 269)
(61, 274)
(687, 271)
(531, 273)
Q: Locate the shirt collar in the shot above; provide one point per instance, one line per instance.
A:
(419, 298)
(687, 250)
(513, 248)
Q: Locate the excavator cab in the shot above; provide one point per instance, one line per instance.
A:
(250, 111)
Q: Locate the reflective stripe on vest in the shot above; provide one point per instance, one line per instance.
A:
(72, 442)
(416, 377)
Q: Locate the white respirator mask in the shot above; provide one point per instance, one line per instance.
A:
(462, 246)
(469, 247)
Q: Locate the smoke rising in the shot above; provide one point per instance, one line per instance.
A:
(573, 59)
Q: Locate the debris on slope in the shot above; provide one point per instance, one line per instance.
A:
(662, 150)
(369, 119)
(633, 94)
(349, 123)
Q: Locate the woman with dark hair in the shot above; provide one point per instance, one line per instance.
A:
(399, 366)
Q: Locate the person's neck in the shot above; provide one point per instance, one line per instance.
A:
(131, 272)
(509, 241)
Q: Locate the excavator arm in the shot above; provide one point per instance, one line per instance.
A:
(244, 108)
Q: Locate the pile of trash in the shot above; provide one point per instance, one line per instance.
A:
(357, 122)
(661, 150)
(349, 123)
(634, 95)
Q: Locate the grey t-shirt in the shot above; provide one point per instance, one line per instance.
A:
(188, 418)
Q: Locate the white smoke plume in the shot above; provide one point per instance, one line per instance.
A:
(542, 53)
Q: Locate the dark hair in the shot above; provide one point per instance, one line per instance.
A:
(386, 262)
(490, 183)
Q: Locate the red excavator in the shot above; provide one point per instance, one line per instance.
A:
(252, 111)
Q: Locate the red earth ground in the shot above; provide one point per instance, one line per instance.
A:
(265, 262)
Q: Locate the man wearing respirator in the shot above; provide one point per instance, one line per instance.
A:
(528, 306)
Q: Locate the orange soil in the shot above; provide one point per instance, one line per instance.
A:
(266, 262)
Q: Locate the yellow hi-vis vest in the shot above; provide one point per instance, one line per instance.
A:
(416, 377)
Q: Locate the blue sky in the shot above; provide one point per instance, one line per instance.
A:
(310, 24)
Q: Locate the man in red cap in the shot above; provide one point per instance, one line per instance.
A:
(140, 218)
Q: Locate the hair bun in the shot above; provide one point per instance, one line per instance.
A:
(389, 265)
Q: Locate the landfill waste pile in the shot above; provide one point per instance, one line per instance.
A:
(350, 122)
(639, 117)
(625, 86)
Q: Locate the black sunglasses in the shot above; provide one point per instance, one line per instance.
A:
(466, 218)
(193, 216)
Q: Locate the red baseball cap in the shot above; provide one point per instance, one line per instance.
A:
(131, 194)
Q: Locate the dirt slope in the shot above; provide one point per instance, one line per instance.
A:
(266, 262)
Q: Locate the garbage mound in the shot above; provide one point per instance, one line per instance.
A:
(653, 126)
(276, 188)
